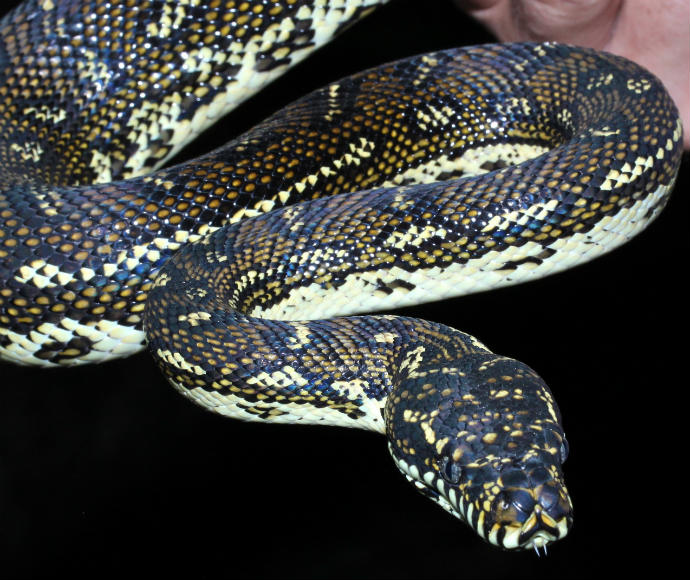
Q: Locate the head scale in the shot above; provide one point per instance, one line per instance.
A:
(482, 438)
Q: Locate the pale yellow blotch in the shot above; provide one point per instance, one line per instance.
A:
(194, 317)
(440, 444)
(489, 438)
(412, 360)
(429, 433)
(175, 359)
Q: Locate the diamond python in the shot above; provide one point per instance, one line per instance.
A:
(471, 168)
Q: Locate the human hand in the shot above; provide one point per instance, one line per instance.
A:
(656, 35)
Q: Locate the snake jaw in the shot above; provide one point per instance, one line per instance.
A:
(516, 518)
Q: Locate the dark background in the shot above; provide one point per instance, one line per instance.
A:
(107, 471)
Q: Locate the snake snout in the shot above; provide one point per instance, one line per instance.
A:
(533, 517)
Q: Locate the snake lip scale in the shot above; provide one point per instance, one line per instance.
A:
(434, 176)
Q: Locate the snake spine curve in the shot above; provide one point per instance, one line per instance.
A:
(434, 176)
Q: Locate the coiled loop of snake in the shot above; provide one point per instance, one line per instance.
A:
(231, 318)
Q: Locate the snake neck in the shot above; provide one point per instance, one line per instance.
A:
(215, 350)
(336, 372)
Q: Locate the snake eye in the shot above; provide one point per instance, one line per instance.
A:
(450, 470)
(557, 441)
(563, 451)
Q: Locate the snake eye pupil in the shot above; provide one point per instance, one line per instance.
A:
(451, 471)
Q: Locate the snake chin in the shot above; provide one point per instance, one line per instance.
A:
(478, 451)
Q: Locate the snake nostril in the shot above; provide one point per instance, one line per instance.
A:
(516, 499)
(503, 501)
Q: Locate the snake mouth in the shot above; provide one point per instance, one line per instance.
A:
(537, 531)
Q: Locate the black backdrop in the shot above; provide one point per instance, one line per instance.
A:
(107, 471)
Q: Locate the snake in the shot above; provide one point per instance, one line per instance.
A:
(247, 270)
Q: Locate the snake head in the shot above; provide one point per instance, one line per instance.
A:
(482, 438)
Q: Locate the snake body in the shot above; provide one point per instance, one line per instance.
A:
(434, 176)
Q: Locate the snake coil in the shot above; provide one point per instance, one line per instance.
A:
(438, 175)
